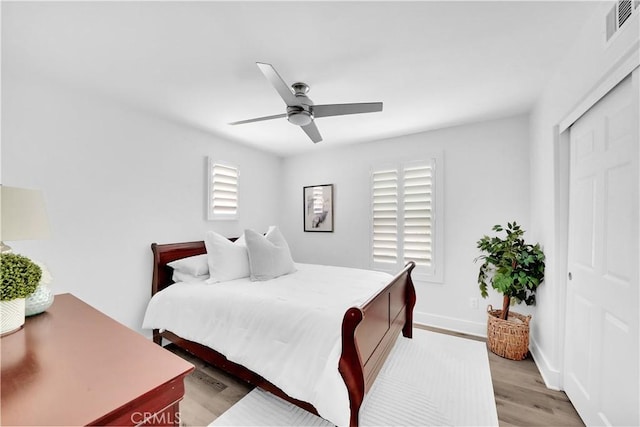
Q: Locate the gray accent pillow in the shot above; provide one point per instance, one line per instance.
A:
(269, 255)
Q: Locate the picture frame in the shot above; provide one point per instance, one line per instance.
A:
(317, 211)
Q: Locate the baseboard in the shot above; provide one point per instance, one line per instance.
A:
(552, 377)
(478, 329)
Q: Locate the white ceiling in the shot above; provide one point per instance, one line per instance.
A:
(433, 64)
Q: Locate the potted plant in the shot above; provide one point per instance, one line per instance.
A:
(20, 277)
(515, 269)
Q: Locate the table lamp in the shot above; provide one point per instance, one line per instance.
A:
(23, 215)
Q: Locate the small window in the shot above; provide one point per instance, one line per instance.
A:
(223, 191)
(406, 218)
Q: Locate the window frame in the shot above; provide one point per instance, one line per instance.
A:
(211, 215)
(433, 273)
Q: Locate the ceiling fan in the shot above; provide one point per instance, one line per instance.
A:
(300, 109)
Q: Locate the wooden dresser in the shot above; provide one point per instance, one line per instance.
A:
(73, 365)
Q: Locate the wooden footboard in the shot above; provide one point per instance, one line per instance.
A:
(368, 332)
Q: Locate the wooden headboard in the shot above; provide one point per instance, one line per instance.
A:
(165, 253)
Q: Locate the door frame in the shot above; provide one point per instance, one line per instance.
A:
(628, 65)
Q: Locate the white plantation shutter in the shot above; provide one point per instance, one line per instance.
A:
(223, 191)
(417, 214)
(403, 221)
(385, 216)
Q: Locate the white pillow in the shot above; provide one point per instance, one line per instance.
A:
(194, 265)
(269, 255)
(227, 260)
(179, 276)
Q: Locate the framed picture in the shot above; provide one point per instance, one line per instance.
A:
(318, 208)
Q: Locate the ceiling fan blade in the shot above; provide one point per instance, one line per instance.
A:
(312, 131)
(344, 109)
(259, 119)
(276, 81)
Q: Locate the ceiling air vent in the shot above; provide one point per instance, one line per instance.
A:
(619, 14)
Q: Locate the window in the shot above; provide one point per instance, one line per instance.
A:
(223, 191)
(406, 218)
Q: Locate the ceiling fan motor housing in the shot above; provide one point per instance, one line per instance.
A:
(301, 114)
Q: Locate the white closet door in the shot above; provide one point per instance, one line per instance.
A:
(601, 374)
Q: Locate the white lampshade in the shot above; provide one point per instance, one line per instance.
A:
(24, 216)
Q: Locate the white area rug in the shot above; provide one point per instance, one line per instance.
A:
(430, 380)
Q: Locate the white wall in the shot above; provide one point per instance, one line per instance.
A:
(115, 180)
(486, 178)
(585, 66)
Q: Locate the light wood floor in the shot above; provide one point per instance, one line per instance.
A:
(521, 396)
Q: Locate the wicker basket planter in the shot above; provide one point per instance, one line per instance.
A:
(508, 338)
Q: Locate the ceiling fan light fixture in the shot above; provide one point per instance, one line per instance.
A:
(301, 118)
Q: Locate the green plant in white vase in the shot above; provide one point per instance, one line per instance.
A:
(19, 278)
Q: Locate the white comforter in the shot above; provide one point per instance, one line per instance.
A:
(287, 329)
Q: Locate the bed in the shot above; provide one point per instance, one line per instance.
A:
(367, 332)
